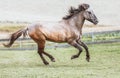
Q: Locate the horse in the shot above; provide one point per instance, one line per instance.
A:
(68, 30)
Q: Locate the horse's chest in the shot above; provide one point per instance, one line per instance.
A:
(73, 35)
(77, 35)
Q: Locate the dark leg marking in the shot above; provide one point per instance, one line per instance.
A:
(50, 56)
(86, 49)
(76, 45)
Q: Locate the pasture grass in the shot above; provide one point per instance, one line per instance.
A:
(105, 63)
(103, 36)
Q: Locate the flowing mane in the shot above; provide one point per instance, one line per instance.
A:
(73, 11)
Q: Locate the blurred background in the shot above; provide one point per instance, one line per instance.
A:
(107, 11)
(15, 15)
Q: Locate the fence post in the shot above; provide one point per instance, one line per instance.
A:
(20, 43)
(93, 36)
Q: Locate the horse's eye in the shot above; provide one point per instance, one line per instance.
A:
(89, 12)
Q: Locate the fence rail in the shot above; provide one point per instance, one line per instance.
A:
(29, 44)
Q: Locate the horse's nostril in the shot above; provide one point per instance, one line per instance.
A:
(97, 21)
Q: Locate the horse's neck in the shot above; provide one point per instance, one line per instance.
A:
(77, 21)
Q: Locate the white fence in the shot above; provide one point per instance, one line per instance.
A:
(29, 44)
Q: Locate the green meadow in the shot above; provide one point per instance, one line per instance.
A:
(104, 63)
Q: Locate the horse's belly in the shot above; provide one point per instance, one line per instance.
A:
(56, 38)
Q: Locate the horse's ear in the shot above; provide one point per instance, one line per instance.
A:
(71, 10)
(84, 6)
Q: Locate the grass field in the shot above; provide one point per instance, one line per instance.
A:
(105, 63)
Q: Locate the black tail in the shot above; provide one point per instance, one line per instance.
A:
(15, 36)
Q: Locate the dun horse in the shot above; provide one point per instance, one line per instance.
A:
(68, 30)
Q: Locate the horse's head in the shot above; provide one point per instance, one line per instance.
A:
(88, 13)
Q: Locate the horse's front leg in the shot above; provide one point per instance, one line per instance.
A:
(76, 45)
(86, 49)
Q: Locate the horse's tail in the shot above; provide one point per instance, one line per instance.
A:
(15, 36)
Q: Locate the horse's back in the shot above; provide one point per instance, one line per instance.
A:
(53, 31)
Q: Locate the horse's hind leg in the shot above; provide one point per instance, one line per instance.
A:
(86, 48)
(41, 46)
(41, 51)
(50, 56)
(76, 45)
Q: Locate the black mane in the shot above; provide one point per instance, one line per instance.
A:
(73, 11)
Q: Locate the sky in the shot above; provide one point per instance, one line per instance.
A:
(107, 11)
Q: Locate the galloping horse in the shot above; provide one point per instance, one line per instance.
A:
(68, 30)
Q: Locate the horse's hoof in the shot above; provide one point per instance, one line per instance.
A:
(88, 59)
(74, 56)
(46, 63)
(53, 60)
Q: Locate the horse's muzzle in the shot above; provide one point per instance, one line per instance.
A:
(96, 22)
